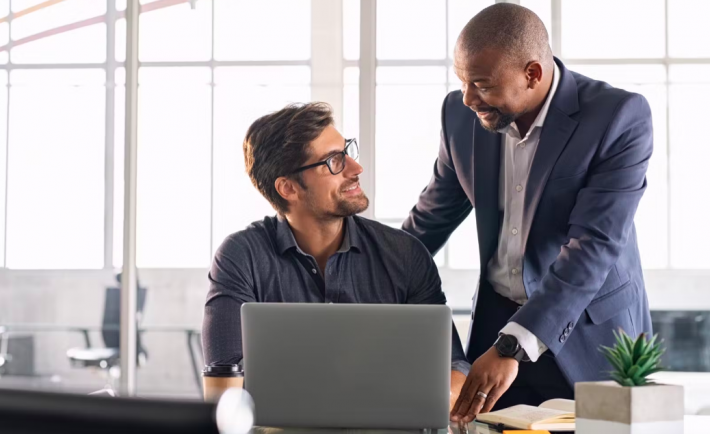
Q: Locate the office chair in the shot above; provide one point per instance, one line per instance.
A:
(107, 358)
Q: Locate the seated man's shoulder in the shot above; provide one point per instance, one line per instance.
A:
(390, 237)
(255, 237)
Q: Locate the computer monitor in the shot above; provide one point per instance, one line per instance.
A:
(348, 365)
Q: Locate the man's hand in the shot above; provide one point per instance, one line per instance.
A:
(490, 374)
(457, 381)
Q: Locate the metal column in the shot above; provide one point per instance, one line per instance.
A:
(128, 280)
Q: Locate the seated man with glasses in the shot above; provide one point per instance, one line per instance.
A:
(316, 250)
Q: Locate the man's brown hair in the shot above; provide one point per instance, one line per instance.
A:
(277, 144)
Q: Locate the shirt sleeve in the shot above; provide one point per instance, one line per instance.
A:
(425, 288)
(531, 344)
(230, 287)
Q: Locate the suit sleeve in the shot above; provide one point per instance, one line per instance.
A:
(599, 225)
(443, 204)
(230, 287)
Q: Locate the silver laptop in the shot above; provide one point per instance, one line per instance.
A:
(348, 365)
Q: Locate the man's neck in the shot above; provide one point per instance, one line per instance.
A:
(318, 238)
(525, 122)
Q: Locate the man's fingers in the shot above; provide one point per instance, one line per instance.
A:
(464, 399)
(461, 407)
(476, 404)
(493, 397)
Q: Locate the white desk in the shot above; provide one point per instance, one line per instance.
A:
(693, 424)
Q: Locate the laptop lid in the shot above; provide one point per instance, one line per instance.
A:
(348, 365)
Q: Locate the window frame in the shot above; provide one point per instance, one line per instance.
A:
(368, 66)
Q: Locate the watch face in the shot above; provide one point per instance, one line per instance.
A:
(508, 345)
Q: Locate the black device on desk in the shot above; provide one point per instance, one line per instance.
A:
(34, 412)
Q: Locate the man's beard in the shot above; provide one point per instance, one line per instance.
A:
(501, 121)
(347, 208)
(343, 207)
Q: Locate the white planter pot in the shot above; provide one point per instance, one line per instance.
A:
(608, 408)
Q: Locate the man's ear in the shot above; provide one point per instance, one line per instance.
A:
(533, 72)
(286, 188)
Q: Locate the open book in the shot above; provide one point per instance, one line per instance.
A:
(552, 415)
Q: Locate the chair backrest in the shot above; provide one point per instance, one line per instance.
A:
(112, 315)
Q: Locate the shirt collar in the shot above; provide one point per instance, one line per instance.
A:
(285, 239)
(540, 119)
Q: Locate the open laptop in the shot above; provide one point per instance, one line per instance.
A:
(348, 365)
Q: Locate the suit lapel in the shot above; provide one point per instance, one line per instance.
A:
(556, 132)
(486, 164)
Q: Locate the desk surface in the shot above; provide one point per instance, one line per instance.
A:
(693, 424)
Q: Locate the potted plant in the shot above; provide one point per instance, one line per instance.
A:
(631, 404)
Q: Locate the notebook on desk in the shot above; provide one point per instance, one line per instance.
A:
(553, 415)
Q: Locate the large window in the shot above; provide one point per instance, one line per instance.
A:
(655, 54)
(413, 76)
(201, 85)
(208, 69)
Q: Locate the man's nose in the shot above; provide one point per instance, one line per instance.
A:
(471, 98)
(352, 167)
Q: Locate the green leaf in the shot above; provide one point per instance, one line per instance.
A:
(642, 361)
(654, 370)
(618, 378)
(650, 363)
(626, 359)
(640, 346)
(619, 340)
(640, 382)
(616, 363)
(633, 360)
(619, 363)
(633, 371)
(629, 343)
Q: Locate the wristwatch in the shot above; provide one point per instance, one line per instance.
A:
(508, 346)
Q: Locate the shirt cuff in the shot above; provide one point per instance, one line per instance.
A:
(462, 366)
(530, 343)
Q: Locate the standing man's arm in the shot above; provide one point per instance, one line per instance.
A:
(230, 287)
(599, 227)
(425, 288)
(443, 204)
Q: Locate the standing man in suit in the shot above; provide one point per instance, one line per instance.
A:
(554, 165)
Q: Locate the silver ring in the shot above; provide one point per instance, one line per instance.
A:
(482, 395)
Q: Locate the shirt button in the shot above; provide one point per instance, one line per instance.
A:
(514, 271)
(514, 231)
(314, 271)
(518, 187)
(522, 144)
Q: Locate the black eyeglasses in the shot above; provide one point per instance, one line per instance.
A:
(336, 162)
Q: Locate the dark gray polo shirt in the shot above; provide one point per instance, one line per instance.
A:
(263, 263)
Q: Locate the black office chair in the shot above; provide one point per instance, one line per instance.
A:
(107, 358)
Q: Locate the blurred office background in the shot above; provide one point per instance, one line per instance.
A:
(208, 69)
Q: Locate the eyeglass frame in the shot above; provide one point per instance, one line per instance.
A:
(327, 161)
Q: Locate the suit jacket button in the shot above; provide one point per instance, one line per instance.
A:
(563, 338)
(570, 325)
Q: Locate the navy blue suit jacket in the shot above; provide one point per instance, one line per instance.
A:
(581, 271)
